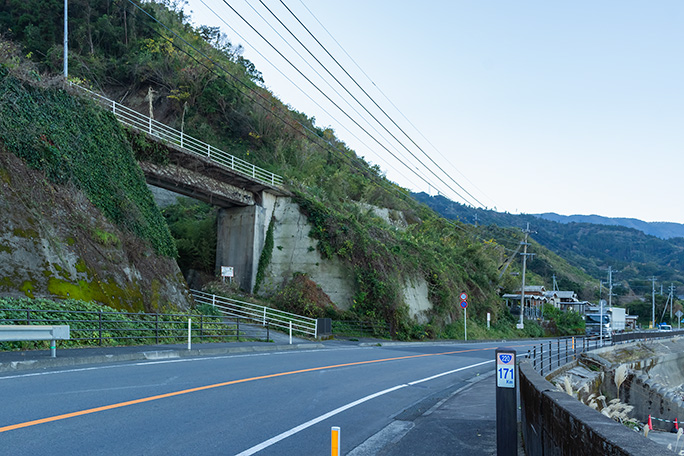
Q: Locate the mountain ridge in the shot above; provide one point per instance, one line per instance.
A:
(662, 230)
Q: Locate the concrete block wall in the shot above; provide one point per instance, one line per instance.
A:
(554, 423)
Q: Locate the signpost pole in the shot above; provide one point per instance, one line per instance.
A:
(464, 304)
(506, 404)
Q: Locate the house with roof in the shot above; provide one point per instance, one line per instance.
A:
(535, 297)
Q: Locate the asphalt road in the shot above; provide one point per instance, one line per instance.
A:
(267, 403)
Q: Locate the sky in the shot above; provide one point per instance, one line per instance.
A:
(529, 106)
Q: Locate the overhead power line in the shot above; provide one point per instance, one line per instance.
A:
(365, 93)
(362, 105)
(328, 98)
(303, 92)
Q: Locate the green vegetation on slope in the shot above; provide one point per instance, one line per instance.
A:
(589, 247)
(75, 142)
(120, 50)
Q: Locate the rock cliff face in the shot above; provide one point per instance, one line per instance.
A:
(54, 243)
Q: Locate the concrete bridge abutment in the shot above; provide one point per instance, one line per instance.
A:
(241, 235)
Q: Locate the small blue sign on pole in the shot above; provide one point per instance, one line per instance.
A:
(464, 304)
(505, 370)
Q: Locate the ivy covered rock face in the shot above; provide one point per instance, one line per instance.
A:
(78, 220)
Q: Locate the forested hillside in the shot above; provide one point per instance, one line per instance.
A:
(590, 247)
(200, 83)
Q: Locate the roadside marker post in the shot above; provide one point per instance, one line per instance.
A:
(506, 403)
(335, 441)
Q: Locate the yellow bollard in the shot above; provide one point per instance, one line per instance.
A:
(335, 441)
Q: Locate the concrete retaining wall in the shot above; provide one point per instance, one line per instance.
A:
(554, 423)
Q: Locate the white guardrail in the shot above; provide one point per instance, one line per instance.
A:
(258, 314)
(131, 118)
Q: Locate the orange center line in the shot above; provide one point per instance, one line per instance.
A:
(216, 385)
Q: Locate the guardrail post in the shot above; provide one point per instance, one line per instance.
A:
(558, 352)
(201, 327)
(237, 332)
(290, 332)
(268, 332)
(28, 316)
(264, 321)
(253, 170)
(99, 325)
(208, 151)
(189, 333)
(550, 356)
(181, 139)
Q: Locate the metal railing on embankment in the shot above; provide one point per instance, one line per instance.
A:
(551, 355)
(155, 129)
(129, 328)
(260, 315)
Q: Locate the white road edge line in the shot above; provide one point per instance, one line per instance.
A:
(339, 410)
(166, 361)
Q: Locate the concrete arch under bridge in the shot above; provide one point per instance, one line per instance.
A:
(245, 206)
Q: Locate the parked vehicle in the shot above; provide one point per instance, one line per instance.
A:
(612, 320)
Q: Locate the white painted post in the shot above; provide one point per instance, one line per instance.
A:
(290, 332)
(213, 301)
(465, 322)
(208, 151)
(181, 139)
(264, 322)
(189, 333)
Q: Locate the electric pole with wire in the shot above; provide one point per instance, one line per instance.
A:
(653, 280)
(524, 243)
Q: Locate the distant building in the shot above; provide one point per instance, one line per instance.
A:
(566, 300)
(535, 297)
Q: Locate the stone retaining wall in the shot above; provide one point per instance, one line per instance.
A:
(554, 423)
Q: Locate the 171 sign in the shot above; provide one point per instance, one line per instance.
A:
(505, 369)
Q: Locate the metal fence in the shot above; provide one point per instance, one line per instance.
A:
(132, 118)
(551, 355)
(355, 328)
(128, 328)
(258, 314)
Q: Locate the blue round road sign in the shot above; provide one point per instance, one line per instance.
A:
(464, 304)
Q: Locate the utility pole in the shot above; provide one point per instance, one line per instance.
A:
(66, 42)
(521, 325)
(555, 284)
(653, 280)
(672, 295)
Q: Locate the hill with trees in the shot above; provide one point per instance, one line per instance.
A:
(199, 83)
(590, 247)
